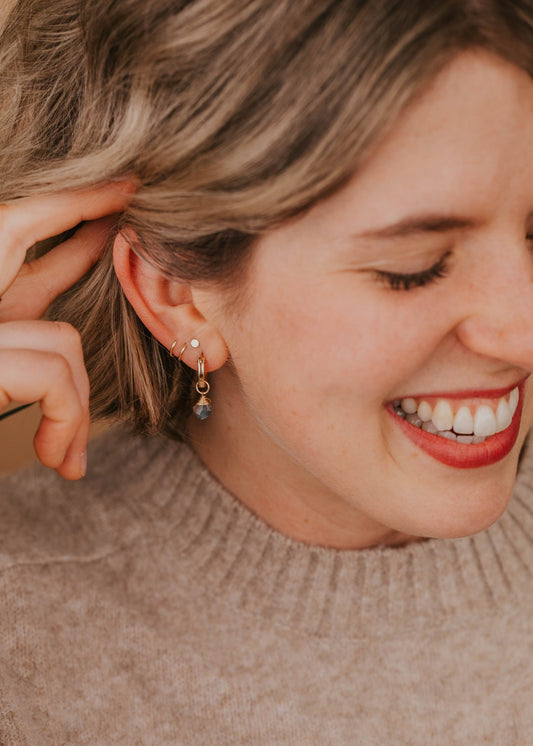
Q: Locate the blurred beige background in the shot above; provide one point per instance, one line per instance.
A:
(16, 436)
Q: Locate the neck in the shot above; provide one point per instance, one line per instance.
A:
(240, 452)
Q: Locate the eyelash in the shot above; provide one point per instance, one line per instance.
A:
(396, 281)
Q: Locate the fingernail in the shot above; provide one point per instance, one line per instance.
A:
(83, 463)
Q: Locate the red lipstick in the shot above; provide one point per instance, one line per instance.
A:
(460, 455)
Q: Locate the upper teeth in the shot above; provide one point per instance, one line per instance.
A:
(479, 420)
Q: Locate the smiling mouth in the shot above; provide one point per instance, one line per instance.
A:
(465, 431)
(469, 424)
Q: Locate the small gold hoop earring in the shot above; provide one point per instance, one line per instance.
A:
(171, 351)
(202, 409)
(181, 352)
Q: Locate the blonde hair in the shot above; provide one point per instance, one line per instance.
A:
(234, 114)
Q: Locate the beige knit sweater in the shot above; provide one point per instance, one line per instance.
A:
(144, 605)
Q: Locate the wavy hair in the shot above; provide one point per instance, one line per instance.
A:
(235, 115)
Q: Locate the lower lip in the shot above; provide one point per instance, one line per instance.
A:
(461, 455)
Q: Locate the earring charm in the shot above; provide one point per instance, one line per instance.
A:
(202, 409)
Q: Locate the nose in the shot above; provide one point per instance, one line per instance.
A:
(499, 320)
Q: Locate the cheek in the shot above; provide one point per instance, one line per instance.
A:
(323, 349)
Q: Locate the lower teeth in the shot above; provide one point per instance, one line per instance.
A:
(414, 420)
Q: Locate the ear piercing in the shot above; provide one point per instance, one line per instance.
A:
(202, 409)
(171, 351)
(194, 343)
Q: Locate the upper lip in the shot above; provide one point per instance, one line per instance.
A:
(467, 393)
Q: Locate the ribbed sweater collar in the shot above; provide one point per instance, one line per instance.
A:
(233, 555)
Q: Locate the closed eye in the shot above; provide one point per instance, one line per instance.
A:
(399, 281)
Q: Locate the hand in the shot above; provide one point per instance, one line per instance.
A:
(43, 360)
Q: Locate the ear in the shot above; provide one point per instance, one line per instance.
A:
(167, 308)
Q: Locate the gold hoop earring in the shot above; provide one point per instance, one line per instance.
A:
(182, 351)
(202, 409)
(171, 351)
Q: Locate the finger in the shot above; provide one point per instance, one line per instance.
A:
(74, 464)
(51, 436)
(48, 336)
(25, 221)
(39, 282)
(54, 388)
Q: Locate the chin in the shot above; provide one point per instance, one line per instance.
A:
(476, 512)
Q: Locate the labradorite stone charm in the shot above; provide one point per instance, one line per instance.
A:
(202, 409)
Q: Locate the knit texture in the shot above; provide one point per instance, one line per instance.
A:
(145, 605)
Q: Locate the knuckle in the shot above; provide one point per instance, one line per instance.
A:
(68, 334)
(77, 412)
(62, 370)
(65, 381)
(71, 349)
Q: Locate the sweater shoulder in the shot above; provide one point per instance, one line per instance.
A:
(45, 517)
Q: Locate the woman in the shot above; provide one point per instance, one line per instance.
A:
(331, 236)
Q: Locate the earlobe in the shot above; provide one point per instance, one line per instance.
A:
(166, 308)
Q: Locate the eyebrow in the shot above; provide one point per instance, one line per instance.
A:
(420, 224)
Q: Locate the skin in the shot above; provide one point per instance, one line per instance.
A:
(42, 361)
(300, 432)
